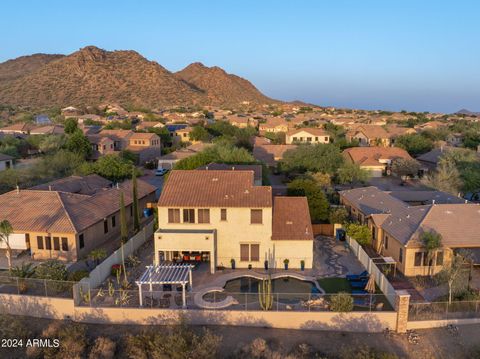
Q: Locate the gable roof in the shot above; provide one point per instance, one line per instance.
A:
(371, 200)
(257, 169)
(206, 188)
(4, 157)
(370, 156)
(76, 184)
(291, 219)
(312, 131)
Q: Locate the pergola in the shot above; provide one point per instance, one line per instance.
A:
(166, 274)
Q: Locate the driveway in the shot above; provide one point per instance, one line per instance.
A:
(157, 181)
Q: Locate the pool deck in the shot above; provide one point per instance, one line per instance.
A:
(217, 283)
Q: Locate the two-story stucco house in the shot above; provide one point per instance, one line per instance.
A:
(222, 217)
(307, 135)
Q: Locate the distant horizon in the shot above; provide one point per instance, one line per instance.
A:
(371, 55)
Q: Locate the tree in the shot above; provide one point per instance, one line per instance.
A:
(431, 241)
(337, 215)
(136, 216)
(360, 233)
(71, 126)
(324, 180)
(199, 133)
(317, 201)
(414, 144)
(6, 230)
(453, 272)
(51, 269)
(51, 144)
(405, 167)
(123, 231)
(446, 178)
(341, 302)
(351, 173)
(325, 158)
(78, 143)
(97, 255)
(277, 138)
(113, 167)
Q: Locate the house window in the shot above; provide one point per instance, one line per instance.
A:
(295, 139)
(81, 240)
(64, 244)
(439, 261)
(131, 210)
(39, 242)
(223, 214)
(105, 226)
(425, 259)
(27, 239)
(400, 255)
(254, 252)
(204, 215)
(326, 139)
(188, 215)
(113, 221)
(418, 259)
(56, 243)
(316, 138)
(309, 139)
(244, 249)
(256, 216)
(173, 215)
(48, 243)
(386, 242)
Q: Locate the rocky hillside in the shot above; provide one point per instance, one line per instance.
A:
(219, 86)
(91, 76)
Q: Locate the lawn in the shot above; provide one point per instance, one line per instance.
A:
(334, 285)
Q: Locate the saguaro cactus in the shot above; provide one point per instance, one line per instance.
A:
(265, 295)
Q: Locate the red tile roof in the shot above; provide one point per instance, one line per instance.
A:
(291, 219)
(206, 188)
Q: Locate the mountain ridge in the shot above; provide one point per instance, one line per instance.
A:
(92, 75)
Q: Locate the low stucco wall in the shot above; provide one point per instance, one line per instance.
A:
(57, 308)
(40, 307)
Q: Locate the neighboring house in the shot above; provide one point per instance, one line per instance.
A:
(431, 125)
(455, 139)
(71, 217)
(48, 130)
(221, 216)
(397, 227)
(430, 160)
(18, 128)
(183, 136)
(271, 154)
(257, 170)
(168, 161)
(273, 125)
(242, 121)
(6, 162)
(70, 111)
(395, 131)
(369, 135)
(307, 135)
(346, 122)
(376, 160)
(146, 145)
(149, 124)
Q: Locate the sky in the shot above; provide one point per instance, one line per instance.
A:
(414, 55)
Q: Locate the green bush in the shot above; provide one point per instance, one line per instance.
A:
(78, 275)
(341, 302)
(52, 269)
(360, 233)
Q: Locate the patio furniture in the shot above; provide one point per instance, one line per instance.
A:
(364, 302)
(355, 277)
(358, 285)
(359, 292)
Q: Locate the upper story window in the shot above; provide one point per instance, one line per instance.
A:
(173, 215)
(189, 215)
(223, 214)
(256, 216)
(386, 242)
(81, 240)
(326, 139)
(113, 221)
(105, 226)
(400, 255)
(203, 215)
(316, 138)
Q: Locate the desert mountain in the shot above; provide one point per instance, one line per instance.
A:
(91, 76)
(220, 86)
(467, 112)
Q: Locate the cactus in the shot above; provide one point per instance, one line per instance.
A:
(265, 295)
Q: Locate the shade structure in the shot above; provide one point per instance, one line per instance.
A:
(168, 273)
(370, 287)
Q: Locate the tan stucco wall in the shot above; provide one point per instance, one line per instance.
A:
(39, 307)
(304, 134)
(294, 251)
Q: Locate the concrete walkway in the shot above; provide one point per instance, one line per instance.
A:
(333, 259)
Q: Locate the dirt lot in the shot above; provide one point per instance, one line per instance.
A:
(433, 343)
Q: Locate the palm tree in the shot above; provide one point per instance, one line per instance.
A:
(432, 241)
(6, 230)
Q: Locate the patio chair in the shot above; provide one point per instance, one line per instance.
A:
(355, 277)
(358, 285)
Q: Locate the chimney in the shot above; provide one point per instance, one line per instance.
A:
(18, 189)
(206, 167)
(433, 201)
(49, 187)
(118, 187)
(306, 230)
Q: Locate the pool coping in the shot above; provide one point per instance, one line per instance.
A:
(219, 282)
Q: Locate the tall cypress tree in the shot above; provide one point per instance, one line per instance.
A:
(123, 231)
(136, 216)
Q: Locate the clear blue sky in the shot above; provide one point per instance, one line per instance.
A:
(421, 55)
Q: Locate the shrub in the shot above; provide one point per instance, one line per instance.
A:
(52, 269)
(78, 275)
(341, 302)
(103, 348)
(360, 233)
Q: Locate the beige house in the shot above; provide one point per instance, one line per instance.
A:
(376, 160)
(68, 218)
(271, 154)
(274, 125)
(223, 218)
(242, 121)
(397, 228)
(307, 135)
(369, 135)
